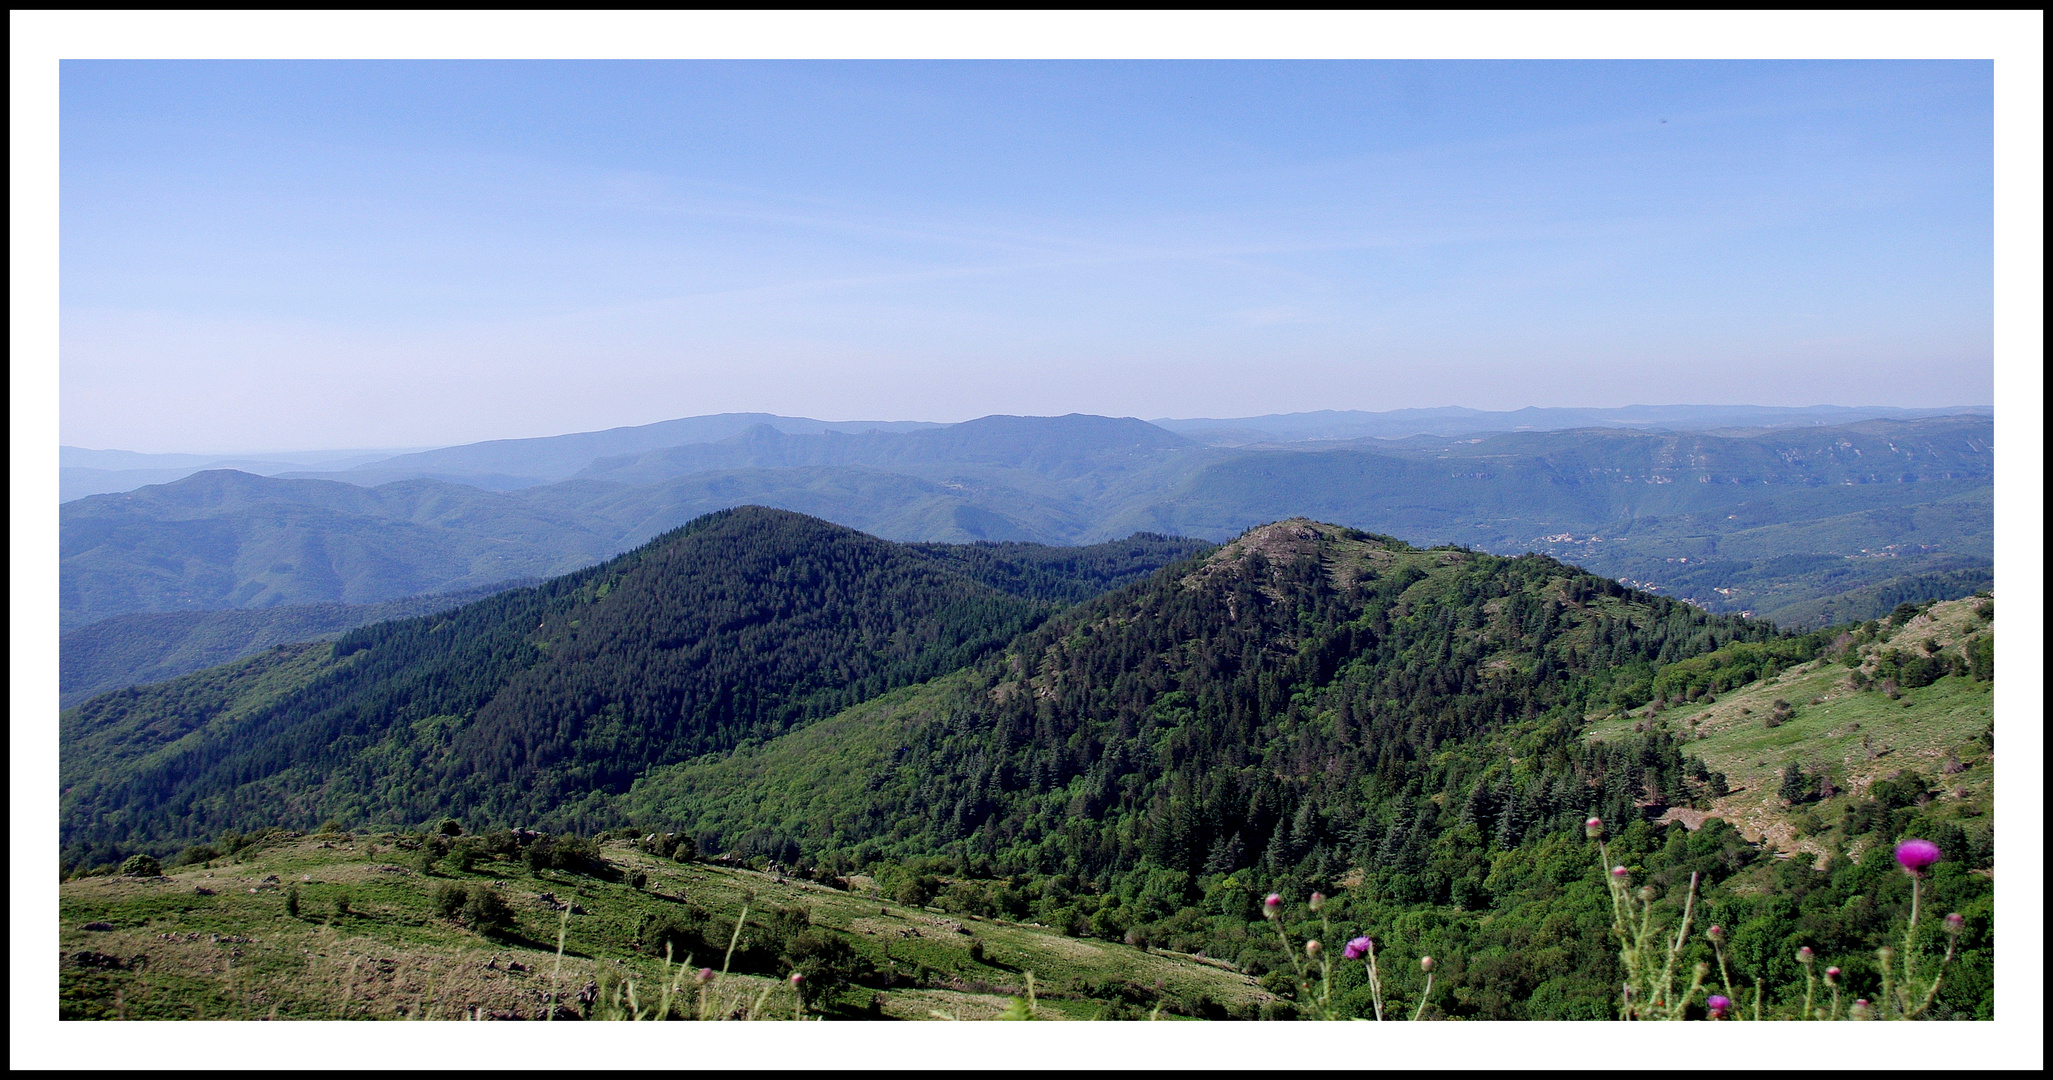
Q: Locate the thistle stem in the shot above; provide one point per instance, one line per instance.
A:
(1421, 1010)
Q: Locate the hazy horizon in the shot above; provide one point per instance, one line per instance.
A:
(259, 452)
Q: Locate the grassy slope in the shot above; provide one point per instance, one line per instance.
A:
(796, 783)
(1855, 736)
(237, 955)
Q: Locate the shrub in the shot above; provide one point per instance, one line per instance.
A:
(450, 827)
(198, 853)
(292, 902)
(827, 962)
(681, 934)
(448, 899)
(486, 912)
(570, 853)
(916, 892)
(140, 866)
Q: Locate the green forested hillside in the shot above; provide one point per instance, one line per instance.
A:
(1314, 708)
(526, 705)
(1308, 708)
(130, 650)
(1243, 714)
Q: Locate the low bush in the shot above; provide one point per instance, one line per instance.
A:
(198, 853)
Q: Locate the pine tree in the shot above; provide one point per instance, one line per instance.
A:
(1795, 785)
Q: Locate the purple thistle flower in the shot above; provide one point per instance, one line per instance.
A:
(1915, 855)
(1719, 1005)
(1357, 948)
(705, 975)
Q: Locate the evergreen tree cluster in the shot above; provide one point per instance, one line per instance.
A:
(1311, 699)
(532, 705)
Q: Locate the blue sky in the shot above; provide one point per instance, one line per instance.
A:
(289, 255)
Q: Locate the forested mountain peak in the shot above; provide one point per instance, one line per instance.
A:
(529, 705)
(1308, 699)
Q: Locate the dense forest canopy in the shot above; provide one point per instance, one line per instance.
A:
(529, 704)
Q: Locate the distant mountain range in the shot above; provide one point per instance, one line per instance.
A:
(508, 464)
(1772, 521)
(1455, 421)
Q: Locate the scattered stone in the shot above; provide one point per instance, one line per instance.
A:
(202, 890)
(271, 879)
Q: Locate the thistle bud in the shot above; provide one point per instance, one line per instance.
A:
(1804, 955)
(1954, 923)
(796, 978)
(1593, 828)
(1860, 1010)
(1426, 964)
(1716, 933)
(1646, 892)
(1272, 905)
(1831, 973)
(1312, 948)
(1318, 900)
(1703, 969)
(1886, 954)
(705, 975)
(1619, 874)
